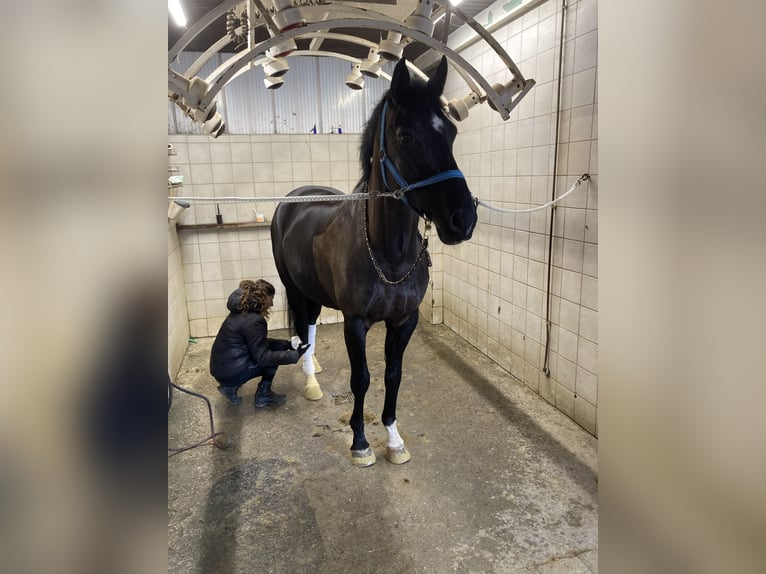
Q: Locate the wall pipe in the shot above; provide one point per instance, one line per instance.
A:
(549, 292)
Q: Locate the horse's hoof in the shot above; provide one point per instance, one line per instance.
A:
(312, 391)
(398, 455)
(362, 458)
(317, 366)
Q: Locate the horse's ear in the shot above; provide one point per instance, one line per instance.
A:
(437, 81)
(400, 81)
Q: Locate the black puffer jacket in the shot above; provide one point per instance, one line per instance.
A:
(242, 342)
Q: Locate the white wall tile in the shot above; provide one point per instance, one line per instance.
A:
(586, 51)
(581, 123)
(568, 345)
(223, 173)
(587, 355)
(199, 153)
(211, 271)
(571, 283)
(587, 16)
(546, 34)
(589, 296)
(590, 260)
(589, 324)
(567, 373)
(242, 172)
(209, 252)
(586, 386)
(281, 152)
(569, 316)
(585, 414)
(201, 174)
(583, 88)
(261, 152)
(220, 152)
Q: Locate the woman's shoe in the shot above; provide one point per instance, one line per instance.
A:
(265, 397)
(231, 394)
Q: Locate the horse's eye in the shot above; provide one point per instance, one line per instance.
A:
(405, 137)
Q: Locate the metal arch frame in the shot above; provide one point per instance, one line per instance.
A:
(319, 53)
(236, 65)
(456, 59)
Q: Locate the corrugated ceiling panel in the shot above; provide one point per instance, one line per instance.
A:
(249, 105)
(341, 106)
(296, 104)
(375, 89)
(314, 93)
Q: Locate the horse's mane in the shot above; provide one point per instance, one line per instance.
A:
(368, 139)
(415, 94)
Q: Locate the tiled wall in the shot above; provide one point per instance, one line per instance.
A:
(493, 289)
(215, 261)
(178, 320)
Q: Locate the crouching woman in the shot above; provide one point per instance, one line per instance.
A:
(242, 349)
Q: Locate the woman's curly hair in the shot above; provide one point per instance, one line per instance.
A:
(254, 295)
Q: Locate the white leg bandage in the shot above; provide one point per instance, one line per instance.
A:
(394, 440)
(308, 363)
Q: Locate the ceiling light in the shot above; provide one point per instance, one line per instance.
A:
(370, 66)
(282, 49)
(506, 91)
(455, 3)
(276, 68)
(458, 107)
(273, 83)
(204, 115)
(287, 17)
(177, 12)
(355, 80)
(213, 124)
(420, 19)
(390, 48)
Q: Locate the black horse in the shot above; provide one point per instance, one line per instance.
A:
(367, 257)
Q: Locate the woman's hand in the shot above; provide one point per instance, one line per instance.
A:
(302, 348)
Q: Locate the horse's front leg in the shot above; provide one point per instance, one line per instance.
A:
(397, 338)
(355, 331)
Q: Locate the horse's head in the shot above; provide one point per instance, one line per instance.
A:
(418, 139)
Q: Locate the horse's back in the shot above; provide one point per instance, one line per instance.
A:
(314, 190)
(305, 212)
(294, 228)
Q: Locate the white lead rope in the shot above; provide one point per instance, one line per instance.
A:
(357, 196)
(583, 177)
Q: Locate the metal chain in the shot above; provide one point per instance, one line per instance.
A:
(423, 249)
(397, 194)
(366, 194)
(285, 199)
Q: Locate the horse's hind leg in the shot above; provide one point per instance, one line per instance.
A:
(355, 331)
(397, 338)
(302, 310)
(312, 390)
(312, 313)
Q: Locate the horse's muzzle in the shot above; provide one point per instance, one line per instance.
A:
(459, 227)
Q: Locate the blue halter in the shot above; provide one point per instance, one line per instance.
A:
(403, 185)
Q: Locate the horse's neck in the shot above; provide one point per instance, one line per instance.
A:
(392, 227)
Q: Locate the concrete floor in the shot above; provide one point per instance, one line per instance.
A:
(499, 481)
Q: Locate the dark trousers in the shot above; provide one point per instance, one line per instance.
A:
(250, 373)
